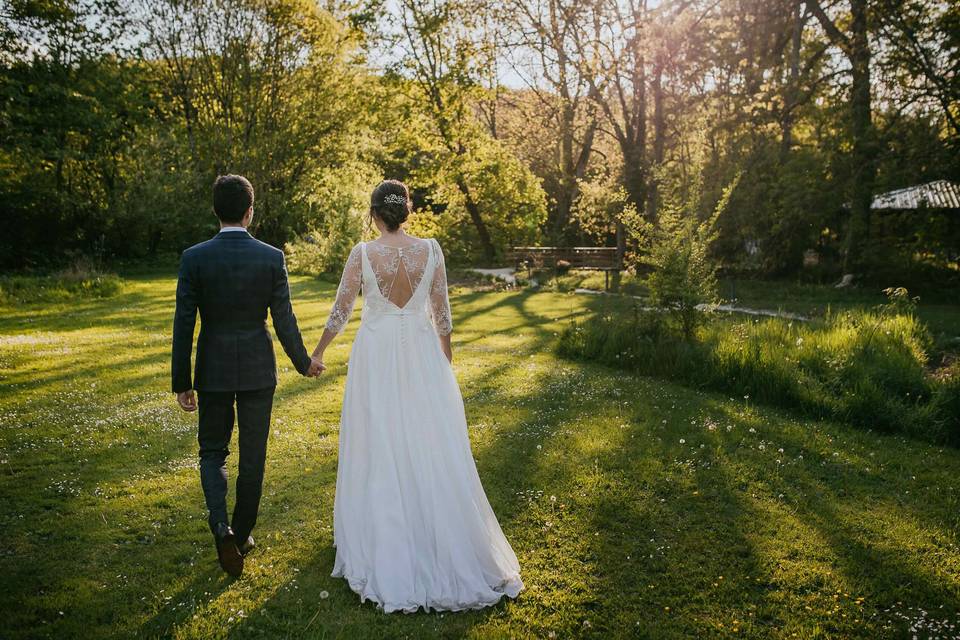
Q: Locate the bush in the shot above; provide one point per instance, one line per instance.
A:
(80, 280)
(944, 407)
(867, 368)
(684, 278)
(340, 200)
(310, 255)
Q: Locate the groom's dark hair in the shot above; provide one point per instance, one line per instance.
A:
(232, 196)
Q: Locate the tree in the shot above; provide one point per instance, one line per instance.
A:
(924, 54)
(266, 88)
(441, 56)
(70, 104)
(855, 46)
(543, 52)
(679, 251)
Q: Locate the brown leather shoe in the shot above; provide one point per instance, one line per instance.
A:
(227, 552)
(247, 546)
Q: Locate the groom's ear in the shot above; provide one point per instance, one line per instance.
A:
(248, 216)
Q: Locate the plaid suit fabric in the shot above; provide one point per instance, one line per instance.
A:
(232, 281)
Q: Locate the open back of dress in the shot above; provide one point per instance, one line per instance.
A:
(397, 274)
(399, 270)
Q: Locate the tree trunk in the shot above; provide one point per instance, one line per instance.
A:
(635, 175)
(659, 141)
(568, 182)
(621, 241)
(477, 219)
(792, 88)
(864, 144)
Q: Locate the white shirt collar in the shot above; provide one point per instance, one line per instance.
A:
(224, 229)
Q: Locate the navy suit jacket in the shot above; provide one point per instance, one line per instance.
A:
(232, 280)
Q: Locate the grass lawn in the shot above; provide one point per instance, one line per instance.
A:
(940, 313)
(637, 508)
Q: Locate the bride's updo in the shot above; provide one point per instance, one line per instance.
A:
(390, 202)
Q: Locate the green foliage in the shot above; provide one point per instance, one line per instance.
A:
(68, 119)
(943, 411)
(899, 302)
(339, 206)
(117, 117)
(509, 196)
(677, 248)
(601, 201)
(866, 368)
(779, 210)
(80, 281)
(269, 90)
(115, 154)
(487, 198)
(917, 248)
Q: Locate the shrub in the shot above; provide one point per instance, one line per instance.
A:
(81, 280)
(309, 255)
(867, 368)
(340, 199)
(684, 278)
(944, 407)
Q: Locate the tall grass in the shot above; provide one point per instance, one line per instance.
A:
(81, 280)
(866, 368)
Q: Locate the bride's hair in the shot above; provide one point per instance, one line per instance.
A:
(390, 201)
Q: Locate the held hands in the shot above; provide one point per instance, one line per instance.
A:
(187, 400)
(316, 366)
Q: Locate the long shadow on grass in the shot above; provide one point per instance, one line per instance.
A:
(839, 502)
(56, 375)
(146, 311)
(140, 310)
(107, 548)
(657, 524)
(73, 526)
(701, 570)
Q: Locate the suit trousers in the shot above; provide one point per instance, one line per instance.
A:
(253, 410)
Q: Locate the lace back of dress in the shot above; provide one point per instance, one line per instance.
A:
(398, 270)
(398, 273)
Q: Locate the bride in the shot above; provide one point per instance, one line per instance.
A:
(412, 524)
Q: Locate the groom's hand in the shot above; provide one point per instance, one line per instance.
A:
(187, 400)
(316, 368)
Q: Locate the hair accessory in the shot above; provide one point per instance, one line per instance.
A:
(393, 198)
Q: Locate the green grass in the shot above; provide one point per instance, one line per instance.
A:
(57, 288)
(940, 313)
(860, 367)
(637, 508)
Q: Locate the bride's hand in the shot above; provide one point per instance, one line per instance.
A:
(316, 367)
(447, 348)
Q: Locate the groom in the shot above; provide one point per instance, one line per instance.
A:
(232, 280)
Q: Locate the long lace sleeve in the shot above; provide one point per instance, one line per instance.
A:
(439, 301)
(346, 292)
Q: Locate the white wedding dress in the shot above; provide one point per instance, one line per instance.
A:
(412, 524)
